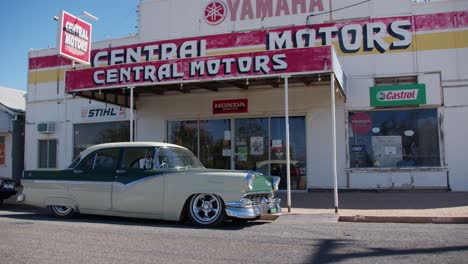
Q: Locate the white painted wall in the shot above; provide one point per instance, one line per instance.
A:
(456, 129)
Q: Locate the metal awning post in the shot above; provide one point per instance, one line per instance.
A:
(333, 112)
(131, 113)
(288, 159)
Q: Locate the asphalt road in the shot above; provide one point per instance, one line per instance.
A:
(33, 236)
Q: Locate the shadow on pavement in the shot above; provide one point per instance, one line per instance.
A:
(326, 247)
(29, 213)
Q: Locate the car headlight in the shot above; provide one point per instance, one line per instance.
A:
(276, 182)
(248, 182)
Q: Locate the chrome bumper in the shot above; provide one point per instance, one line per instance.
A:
(267, 209)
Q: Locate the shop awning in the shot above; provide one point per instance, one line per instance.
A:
(256, 70)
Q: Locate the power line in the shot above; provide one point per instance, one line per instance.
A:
(338, 9)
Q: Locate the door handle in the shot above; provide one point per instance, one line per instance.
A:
(120, 171)
(77, 171)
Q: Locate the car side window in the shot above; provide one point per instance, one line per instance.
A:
(105, 159)
(137, 158)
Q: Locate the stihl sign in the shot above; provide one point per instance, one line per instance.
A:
(399, 95)
(230, 106)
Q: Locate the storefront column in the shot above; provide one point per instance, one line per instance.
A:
(335, 180)
(288, 159)
(131, 113)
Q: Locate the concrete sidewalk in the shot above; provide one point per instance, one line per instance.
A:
(385, 206)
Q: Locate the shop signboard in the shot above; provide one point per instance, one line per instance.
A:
(224, 67)
(398, 95)
(102, 113)
(74, 38)
(230, 106)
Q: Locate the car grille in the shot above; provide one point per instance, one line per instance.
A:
(257, 197)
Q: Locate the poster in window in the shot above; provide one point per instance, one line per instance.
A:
(242, 153)
(387, 150)
(256, 146)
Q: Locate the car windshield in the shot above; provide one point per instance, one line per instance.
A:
(169, 157)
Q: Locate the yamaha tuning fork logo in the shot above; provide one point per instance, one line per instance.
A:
(215, 12)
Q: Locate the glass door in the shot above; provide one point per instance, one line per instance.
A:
(251, 146)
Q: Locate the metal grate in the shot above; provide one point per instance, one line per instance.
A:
(257, 197)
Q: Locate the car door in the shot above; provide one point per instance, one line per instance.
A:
(138, 186)
(92, 184)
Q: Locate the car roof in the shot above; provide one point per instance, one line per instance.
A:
(127, 144)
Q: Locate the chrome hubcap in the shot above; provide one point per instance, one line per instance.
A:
(62, 210)
(206, 207)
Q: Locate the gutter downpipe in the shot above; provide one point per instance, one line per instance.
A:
(288, 159)
(333, 112)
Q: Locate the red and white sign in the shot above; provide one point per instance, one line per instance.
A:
(74, 38)
(215, 12)
(231, 106)
(361, 123)
(264, 63)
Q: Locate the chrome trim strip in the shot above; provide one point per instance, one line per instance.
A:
(65, 182)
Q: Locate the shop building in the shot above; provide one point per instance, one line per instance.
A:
(12, 109)
(214, 80)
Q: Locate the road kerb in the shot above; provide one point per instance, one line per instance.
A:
(404, 219)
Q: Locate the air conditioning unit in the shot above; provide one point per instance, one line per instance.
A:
(46, 128)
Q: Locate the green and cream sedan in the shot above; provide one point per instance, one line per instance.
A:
(151, 180)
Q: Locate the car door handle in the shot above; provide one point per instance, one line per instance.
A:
(77, 171)
(120, 171)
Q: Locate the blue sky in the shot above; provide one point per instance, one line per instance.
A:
(29, 24)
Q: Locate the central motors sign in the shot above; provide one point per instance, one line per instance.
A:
(398, 95)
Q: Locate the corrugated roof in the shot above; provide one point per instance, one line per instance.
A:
(13, 99)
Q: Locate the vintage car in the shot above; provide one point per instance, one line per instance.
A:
(151, 180)
(7, 188)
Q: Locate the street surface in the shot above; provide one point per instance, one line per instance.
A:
(29, 235)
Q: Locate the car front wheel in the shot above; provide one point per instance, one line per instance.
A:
(206, 209)
(61, 211)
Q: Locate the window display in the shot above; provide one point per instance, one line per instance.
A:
(394, 138)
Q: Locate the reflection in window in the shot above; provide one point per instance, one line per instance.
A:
(137, 158)
(184, 133)
(394, 138)
(176, 158)
(86, 135)
(105, 159)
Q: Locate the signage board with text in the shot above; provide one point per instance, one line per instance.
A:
(398, 95)
(74, 38)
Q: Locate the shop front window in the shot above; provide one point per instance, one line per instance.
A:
(86, 135)
(394, 138)
(184, 133)
(259, 145)
(215, 143)
(297, 151)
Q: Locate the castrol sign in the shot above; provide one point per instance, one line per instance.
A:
(398, 95)
(74, 38)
